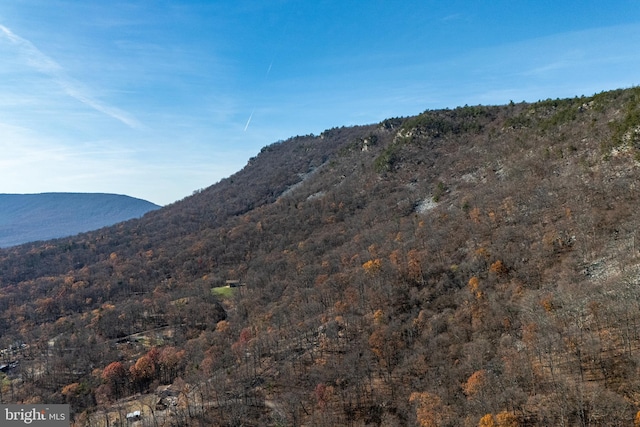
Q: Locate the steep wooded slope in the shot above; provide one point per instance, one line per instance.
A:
(459, 265)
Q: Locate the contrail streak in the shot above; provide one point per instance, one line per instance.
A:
(249, 121)
(254, 110)
(46, 65)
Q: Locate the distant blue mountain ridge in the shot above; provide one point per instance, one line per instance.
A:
(31, 217)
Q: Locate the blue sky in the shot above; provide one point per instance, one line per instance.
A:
(156, 99)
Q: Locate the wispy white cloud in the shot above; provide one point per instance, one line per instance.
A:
(39, 61)
(452, 17)
(551, 67)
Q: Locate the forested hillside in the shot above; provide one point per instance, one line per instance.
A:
(467, 267)
(31, 217)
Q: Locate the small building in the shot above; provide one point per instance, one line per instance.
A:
(134, 416)
(233, 283)
(6, 367)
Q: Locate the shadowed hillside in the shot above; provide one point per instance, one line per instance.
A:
(474, 266)
(30, 217)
